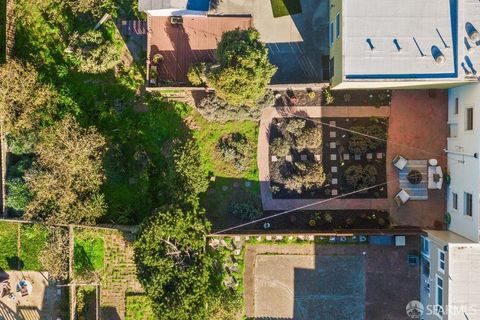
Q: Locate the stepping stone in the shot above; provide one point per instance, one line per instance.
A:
(288, 158)
(248, 184)
(334, 169)
(237, 238)
(247, 238)
(357, 157)
(333, 123)
(333, 134)
(224, 188)
(278, 237)
(346, 156)
(369, 156)
(334, 181)
(213, 178)
(311, 238)
(274, 159)
(318, 157)
(334, 192)
(333, 145)
(301, 237)
(259, 238)
(269, 238)
(303, 157)
(379, 155)
(333, 157)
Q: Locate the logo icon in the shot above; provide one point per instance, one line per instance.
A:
(414, 309)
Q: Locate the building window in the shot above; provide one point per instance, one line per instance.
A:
(426, 267)
(439, 297)
(454, 200)
(425, 246)
(456, 106)
(441, 261)
(469, 119)
(337, 21)
(330, 34)
(467, 206)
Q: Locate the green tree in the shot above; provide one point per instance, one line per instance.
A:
(26, 105)
(173, 265)
(187, 177)
(369, 137)
(66, 177)
(360, 177)
(18, 194)
(93, 53)
(244, 70)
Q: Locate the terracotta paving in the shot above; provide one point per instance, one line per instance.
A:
(193, 41)
(417, 130)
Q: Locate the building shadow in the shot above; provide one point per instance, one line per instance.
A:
(305, 61)
(110, 313)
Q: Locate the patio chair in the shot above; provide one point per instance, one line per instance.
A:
(401, 198)
(399, 162)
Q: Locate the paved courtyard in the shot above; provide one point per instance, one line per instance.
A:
(296, 43)
(330, 281)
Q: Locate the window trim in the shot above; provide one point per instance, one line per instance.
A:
(426, 240)
(337, 29)
(440, 252)
(470, 214)
(467, 122)
(436, 297)
(454, 201)
(330, 33)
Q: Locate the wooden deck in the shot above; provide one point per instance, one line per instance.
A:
(193, 41)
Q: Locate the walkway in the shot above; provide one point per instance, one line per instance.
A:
(313, 112)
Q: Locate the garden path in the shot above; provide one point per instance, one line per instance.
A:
(311, 112)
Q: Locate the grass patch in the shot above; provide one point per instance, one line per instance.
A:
(8, 249)
(282, 8)
(138, 307)
(229, 184)
(33, 240)
(88, 252)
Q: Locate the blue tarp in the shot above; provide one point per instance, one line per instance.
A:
(381, 240)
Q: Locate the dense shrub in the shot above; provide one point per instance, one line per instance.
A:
(244, 70)
(305, 176)
(93, 53)
(295, 127)
(236, 149)
(360, 144)
(18, 195)
(361, 177)
(310, 138)
(247, 210)
(197, 74)
(54, 258)
(280, 147)
(216, 109)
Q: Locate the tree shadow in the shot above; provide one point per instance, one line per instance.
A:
(110, 313)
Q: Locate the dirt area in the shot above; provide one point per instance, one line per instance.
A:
(308, 281)
(43, 303)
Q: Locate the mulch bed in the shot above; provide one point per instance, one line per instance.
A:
(340, 219)
(340, 163)
(341, 98)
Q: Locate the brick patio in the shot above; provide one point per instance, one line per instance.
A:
(418, 131)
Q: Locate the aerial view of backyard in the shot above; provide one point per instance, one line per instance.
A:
(190, 160)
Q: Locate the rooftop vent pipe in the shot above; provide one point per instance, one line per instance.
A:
(397, 45)
(370, 44)
(472, 32)
(438, 55)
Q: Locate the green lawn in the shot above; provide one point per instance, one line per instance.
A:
(226, 175)
(8, 247)
(89, 252)
(33, 239)
(138, 307)
(282, 8)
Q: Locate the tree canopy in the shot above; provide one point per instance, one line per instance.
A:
(173, 265)
(66, 177)
(26, 105)
(244, 70)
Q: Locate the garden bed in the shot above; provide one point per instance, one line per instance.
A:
(89, 253)
(349, 162)
(33, 241)
(332, 98)
(8, 249)
(324, 221)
